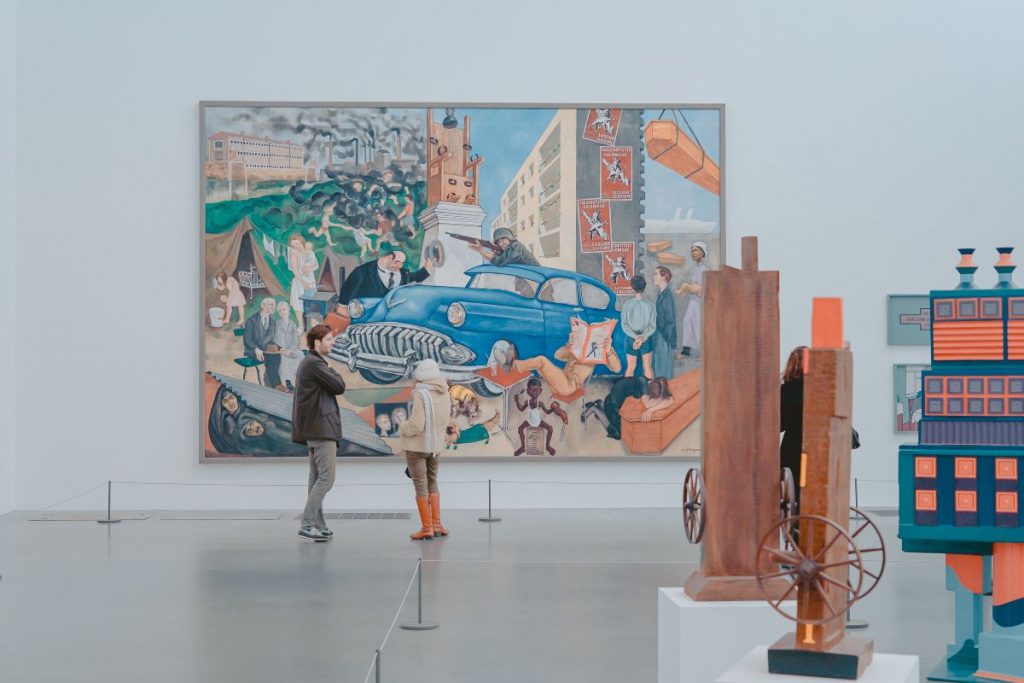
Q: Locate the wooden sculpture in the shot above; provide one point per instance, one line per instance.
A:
(960, 485)
(822, 561)
(734, 498)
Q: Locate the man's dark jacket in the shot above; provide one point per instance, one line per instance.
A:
(315, 413)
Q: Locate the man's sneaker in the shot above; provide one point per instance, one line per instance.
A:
(313, 533)
(327, 532)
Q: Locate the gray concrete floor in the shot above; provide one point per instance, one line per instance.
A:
(544, 595)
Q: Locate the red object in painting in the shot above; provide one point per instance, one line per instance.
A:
(594, 218)
(616, 173)
(618, 267)
(602, 126)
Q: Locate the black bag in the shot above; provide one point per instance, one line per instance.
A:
(856, 440)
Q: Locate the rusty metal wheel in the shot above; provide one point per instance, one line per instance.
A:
(693, 505)
(872, 549)
(810, 572)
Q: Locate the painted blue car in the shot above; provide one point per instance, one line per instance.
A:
(465, 328)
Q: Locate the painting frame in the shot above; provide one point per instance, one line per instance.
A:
(902, 402)
(908, 320)
(205, 105)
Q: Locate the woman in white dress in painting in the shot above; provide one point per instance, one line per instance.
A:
(234, 299)
(303, 264)
(694, 286)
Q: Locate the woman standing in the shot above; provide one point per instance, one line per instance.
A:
(423, 436)
(792, 415)
(303, 264)
(695, 288)
(233, 299)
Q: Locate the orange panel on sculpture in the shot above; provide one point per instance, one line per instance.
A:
(924, 466)
(827, 323)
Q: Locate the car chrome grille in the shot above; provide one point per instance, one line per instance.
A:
(389, 339)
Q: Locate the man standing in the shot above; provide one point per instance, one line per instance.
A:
(510, 250)
(374, 279)
(639, 323)
(316, 423)
(665, 331)
(258, 340)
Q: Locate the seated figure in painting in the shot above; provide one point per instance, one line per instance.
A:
(573, 375)
(533, 407)
(258, 341)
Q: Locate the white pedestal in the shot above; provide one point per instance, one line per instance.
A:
(463, 219)
(697, 641)
(883, 669)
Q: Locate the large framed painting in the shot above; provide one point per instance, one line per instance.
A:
(549, 258)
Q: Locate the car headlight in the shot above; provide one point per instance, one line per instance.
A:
(456, 315)
(356, 309)
(456, 354)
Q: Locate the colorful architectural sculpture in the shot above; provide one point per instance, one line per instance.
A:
(960, 485)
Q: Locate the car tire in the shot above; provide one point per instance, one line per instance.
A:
(486, 389)
(379, 377)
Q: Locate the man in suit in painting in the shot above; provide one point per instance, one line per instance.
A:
(374, 279)
(665, 333)
(258, 340)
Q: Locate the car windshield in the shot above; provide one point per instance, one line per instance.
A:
(504, 281)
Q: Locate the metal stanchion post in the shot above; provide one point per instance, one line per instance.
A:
(850, 621)
(420, 625)
(490, 517)
(856, 500)
(376, 666)
(108, 520)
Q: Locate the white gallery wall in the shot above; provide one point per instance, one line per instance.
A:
(8, 53)
(865, 142)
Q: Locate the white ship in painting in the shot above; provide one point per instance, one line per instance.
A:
(677, 224)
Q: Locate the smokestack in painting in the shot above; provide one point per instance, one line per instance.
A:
(1005, 268)
(966, 268)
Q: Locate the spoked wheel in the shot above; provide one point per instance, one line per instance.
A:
(811, 571)
(872, 549)
(787, 502)
(693, 505)
(787, 493)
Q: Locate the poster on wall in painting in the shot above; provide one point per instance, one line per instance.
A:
(422, 232)
(616, 173)
(594, 225)
(619, 267)
(909, 396)
(909, 320)
(602, 125)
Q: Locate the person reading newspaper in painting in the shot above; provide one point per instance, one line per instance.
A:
(570, 377)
